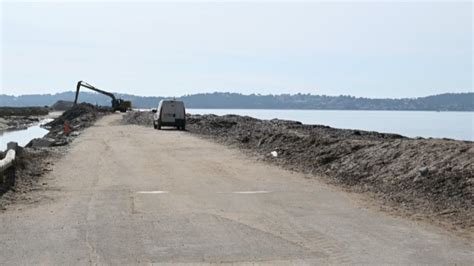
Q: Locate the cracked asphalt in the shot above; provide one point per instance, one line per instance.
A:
(127, 194)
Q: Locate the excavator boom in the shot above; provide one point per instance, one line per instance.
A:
(117, 104)
(89, 86)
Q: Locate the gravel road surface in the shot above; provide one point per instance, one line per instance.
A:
(126, 194)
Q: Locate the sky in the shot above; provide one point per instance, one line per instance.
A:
(150, 48)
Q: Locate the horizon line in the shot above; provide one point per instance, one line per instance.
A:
(243, 94)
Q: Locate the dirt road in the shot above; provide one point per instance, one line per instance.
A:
(130, 194)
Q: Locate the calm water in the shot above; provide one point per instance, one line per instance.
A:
(454, 125)
(22, 137)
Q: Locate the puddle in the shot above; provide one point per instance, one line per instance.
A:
(22, 137)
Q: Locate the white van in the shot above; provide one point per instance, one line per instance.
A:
(169, 113)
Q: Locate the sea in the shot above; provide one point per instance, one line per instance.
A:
(451, 125)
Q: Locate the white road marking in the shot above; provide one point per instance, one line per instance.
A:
(252, 192)
(235, 192)
(153, 192)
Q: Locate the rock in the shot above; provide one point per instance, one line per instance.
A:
(37, 143)
(423, 171)
(61, 142)
(261, 142)
(245, 139)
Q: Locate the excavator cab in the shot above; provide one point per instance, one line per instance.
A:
(121, 105)
(117, 104)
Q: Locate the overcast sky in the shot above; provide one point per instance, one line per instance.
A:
(395, 49)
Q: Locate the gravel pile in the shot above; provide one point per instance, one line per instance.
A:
(62, 105)
(139, 118)
(79, 117)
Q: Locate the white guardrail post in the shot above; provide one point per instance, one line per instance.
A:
(7, 169)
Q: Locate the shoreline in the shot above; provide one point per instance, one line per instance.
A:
(19, 118)
(427, 125)
(14, 123)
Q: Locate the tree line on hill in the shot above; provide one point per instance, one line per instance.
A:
(442, 102)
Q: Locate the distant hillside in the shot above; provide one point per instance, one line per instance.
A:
(442, 102)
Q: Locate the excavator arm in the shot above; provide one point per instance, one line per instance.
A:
(117, 104)
(90, 87)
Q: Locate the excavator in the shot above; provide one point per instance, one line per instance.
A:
(117, 104)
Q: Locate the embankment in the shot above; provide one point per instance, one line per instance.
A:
(424, 178)
(23, 111)
(40, 154)
(13, 118)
